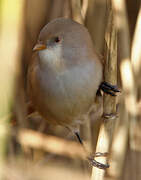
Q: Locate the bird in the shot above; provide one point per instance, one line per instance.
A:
(65, 74)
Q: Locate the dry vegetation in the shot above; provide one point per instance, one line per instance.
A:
(30, 148)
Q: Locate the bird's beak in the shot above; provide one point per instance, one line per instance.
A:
(38, 47)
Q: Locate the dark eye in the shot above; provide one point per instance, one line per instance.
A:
(57, 39)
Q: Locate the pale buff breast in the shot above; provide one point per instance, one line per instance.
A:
(65, 96)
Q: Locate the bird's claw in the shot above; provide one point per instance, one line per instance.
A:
(96, 163)
(108, 88)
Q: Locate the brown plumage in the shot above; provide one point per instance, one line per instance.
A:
(64, 74)
(64, 77)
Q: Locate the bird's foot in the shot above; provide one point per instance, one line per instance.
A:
(96, 163)
(108, 88)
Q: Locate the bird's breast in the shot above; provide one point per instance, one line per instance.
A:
(68, 94)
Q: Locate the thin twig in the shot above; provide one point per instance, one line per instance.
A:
(55, 145)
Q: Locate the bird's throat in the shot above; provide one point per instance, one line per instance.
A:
(52, 58)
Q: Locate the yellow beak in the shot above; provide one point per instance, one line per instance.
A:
(38, 47)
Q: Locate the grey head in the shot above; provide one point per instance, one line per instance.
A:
(65, 39)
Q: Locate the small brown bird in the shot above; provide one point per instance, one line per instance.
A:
(65, 74)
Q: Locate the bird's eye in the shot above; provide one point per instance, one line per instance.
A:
(57, 39)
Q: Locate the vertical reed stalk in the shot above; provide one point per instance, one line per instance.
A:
(96, 21)
(76, 11)
(10, 49)
(128, 114)
(109, 114)
(136, 63)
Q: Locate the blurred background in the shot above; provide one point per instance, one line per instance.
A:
(30, 148)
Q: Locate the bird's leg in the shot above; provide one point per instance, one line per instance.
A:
(108, 88)
(91, 158)
(79, 139)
